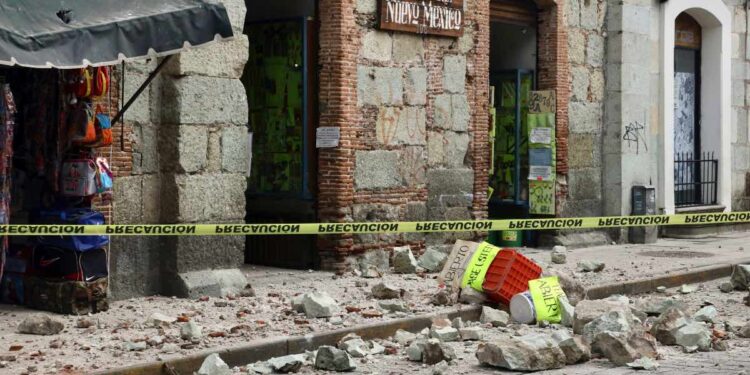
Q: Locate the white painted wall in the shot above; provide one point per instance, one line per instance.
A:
(716, 21)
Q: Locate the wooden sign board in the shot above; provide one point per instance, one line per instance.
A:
(542, 101)
(432, 17)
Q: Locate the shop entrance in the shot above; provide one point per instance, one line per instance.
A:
(513, 60)
(280, 80)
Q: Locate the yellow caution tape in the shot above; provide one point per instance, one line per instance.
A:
(478, 266)
(375, 227)
(545, 292)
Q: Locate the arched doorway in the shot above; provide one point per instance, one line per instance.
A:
(695, 165)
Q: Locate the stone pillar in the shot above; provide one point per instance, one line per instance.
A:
(203, 161)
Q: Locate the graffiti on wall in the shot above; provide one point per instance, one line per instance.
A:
(635, 136)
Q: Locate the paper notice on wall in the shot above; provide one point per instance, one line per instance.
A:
(542, 197)
(327, 137)
(540, 173)
(540, 156)
(541, 136)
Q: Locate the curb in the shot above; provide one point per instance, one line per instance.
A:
(647, 285)
(259, 350)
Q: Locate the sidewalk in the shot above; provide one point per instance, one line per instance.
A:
(120, 336)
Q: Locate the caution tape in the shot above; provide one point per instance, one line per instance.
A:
(376, 227)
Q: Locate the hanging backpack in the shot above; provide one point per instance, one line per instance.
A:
(103, 127)
(101, 82)
(84, 84)
(82, 125)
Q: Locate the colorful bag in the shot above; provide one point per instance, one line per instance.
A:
(66, 297)
(84, 84)
(71, 216)
(103, 127)
(82, 125)
(103, 176)
(101, 82)
(79, 178)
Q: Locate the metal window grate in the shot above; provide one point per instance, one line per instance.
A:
(695, 179)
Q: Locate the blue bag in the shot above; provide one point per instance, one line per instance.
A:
(72, 216)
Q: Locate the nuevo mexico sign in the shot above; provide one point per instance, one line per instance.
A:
(434, 17)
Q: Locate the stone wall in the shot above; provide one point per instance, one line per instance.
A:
(188, 138)
(740, 105)
(414, 127)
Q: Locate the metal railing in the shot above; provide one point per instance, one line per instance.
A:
(695, 179)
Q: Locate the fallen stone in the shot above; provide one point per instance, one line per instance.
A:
(287, 363)
(415, 350)
(155, 340)
(160, 320)
(370, 272)
(590, 266)
(357, 348)
(441, 298)
(393, 306)
(135, 346)
(535, 352)
(644, 363)
(440, 368)
(347, 337)
(435, 351)
(741, 277)
(336, 320)
(622, 348)
(445, 334)
(687, 289)
(441, 322)
(403, 260)
(318, 305)
(665, 327)
(190, 331)
(744, 331)
(214, 365)
(247, 291)
(558, 255)
(657, 306)
(588, 310)
(432, 260)
(262, 368)
(706, 314)
(573, 289)
(298, 303)
(404, 337)
(661, 289)
(470, 296)
(56, 344)
(471, 333)
(457, 323)
(170, 348)
(332, 359)
(617, 320)
(719, 346)
(574, 348)
(85, 322)
(567, 312)
(693, 334)
(497, 318)
(40, 324)
(726, 287)
(385, 291)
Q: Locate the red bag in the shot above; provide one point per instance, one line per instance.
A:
(84, 84)
(101, 81)
(82, 125)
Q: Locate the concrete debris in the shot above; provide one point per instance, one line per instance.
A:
(665, 327)
(155, 340)
(373, 263)
(248, 291)
(318, 305)
(393, 306)
(370, 272)
(85, 322)
(657, 306)
(706, 314)
(433, 259)
(457, 323)
(160, 320)
(567, 311)
(435, 351)
(661, 289)
(336, 320)
(298, 304)
(415, 351)
(191, 331)
(403, 260)
(497, 318)
(747, 300)
(588, 310)
(687, 289)
(357, 348)
(744, 331)
(616, 320)
(41, 324)
(440, 368)
(441, 322)
(471, 333)
(332, 359)
(135, 346)
(590, 266)
(558, 255)
(441, 298)
(719, 346)
(694, 334)
(287, 363)
(534, 352)
(741, 277)
(170, 348)
(262, 368)
(445, 334)
(404, 337)
(575, 349)
(347, 337)
(214, 365)
(644, 363)
(726, 287)
(622, 348)
(385, 291)
(573, 289)
(470, 296)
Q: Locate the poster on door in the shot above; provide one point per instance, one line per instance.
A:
(542, 147)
